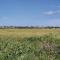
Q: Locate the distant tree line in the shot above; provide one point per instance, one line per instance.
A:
(29, 27)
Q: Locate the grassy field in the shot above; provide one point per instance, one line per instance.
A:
(29, 44)
(26, 32)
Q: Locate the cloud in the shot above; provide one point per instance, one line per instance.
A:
(49, 13)
(52, 12)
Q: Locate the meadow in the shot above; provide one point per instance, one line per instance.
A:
(29, 44)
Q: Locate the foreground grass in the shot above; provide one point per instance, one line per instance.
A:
(45, 47)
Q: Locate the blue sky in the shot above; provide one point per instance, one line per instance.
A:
(30, 12)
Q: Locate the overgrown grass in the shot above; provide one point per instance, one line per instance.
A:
(45, 47)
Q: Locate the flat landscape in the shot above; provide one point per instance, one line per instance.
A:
(29, 29)
(21, 33)
(29, 44)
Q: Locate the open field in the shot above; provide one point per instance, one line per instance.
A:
(26, 32)
(29, 44)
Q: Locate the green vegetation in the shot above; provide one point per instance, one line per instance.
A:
(42, 47)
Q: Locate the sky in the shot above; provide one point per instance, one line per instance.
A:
(30, 12)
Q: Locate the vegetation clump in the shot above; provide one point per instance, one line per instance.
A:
(33, 48)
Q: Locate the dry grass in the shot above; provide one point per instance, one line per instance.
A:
(26, 32)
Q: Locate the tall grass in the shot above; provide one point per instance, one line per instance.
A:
(45, 47)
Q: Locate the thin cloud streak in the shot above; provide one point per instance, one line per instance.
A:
(52, 12)
(49, 13)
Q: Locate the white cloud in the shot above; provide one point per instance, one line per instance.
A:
(49, 13)
(52, 12)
